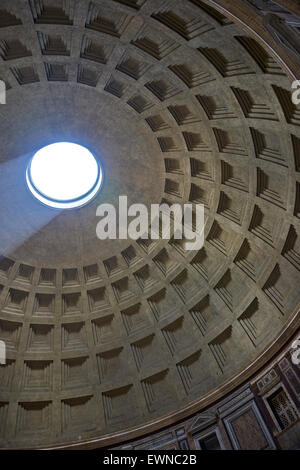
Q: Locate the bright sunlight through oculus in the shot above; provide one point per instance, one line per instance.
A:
(64, 175)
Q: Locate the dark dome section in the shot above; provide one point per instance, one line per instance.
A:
(183, 106)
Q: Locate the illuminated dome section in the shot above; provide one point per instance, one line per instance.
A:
(64, 175)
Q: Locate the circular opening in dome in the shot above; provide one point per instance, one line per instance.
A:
(64, 175)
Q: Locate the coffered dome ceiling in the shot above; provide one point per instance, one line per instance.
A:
(180, 105)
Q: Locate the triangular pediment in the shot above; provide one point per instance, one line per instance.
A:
(202, 421)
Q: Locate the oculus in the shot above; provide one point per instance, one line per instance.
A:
(64, 175)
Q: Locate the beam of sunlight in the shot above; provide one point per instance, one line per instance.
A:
(21, 216)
